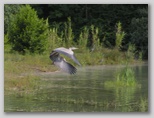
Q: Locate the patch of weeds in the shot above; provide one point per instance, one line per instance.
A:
(124, 78)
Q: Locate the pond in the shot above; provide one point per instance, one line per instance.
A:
(83, 92)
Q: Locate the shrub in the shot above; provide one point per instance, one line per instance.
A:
(119, 35)
(130, 51)
(68, 32)
(9, 10)
(54, 39)
(28, 33)
(83, 38)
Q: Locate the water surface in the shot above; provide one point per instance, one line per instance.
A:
(83, 92)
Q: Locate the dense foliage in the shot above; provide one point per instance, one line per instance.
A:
(104, 18)
(9, 11)
(139, 32)
(133, 17)
(28, 33)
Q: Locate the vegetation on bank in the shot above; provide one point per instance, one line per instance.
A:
(27, 34)
(124, 78)
(24, 81)
(21, 71)
(28, 41)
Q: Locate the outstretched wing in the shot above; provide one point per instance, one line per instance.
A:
(75, 60)
(54, 56)
(68, 53)
(61, 63)
(64, 51)
(67, 67)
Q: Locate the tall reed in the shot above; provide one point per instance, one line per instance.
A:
(124, 78)
(119, 35)
(91, 50)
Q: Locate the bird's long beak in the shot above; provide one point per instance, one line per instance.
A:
(75, 48)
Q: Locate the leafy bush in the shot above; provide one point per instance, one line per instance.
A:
(119, 35)
(83, 38)
(9, 10)
(68, 32)
(54, 39)
(130, 51)
(28, 33)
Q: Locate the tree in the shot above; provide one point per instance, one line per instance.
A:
(28, 33)
(103, 16)
(139, 32)
(9, 10)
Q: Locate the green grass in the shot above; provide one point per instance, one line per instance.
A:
(17, 66)
(143, 105)
(20, 81)
(19, 69)
(102, 56)
(124, 78)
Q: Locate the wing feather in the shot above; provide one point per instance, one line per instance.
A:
(67, 67)
(61, 63)
(68, 53)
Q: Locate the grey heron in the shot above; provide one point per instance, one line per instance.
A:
(61, 62)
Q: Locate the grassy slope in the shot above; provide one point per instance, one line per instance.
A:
(19, 69)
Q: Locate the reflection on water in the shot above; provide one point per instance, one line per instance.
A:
(83, 92)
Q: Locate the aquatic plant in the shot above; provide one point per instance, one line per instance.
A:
(143, 105)
(124, 78)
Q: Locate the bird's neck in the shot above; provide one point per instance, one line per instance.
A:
(71, 52)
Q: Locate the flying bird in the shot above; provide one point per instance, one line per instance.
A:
(61, 62)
